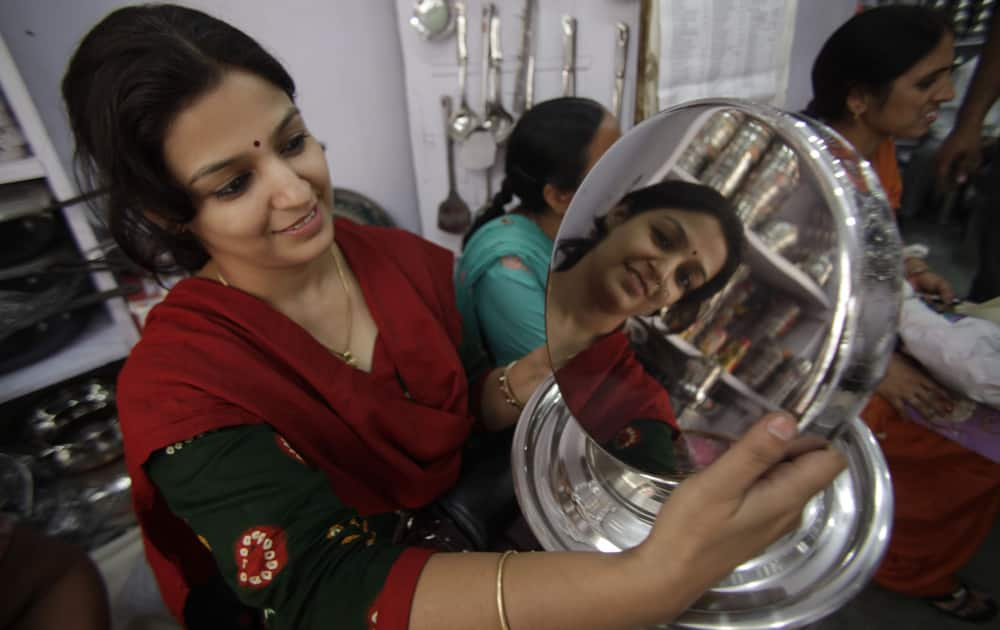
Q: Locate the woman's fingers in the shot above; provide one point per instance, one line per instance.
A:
(929, 398)
(794, 482)
(776, 470)
(763, 446)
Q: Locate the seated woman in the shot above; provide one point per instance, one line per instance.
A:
(294, 399)
(883, 75)
(55, 585)
(501, 275)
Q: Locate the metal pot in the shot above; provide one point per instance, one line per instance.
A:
(89, 446)
(77, 430)
(68, 407)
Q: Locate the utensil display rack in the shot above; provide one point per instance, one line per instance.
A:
(111, 332)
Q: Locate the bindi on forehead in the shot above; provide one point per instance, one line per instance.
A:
(256, 143)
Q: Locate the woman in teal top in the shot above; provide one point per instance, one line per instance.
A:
(504, 265)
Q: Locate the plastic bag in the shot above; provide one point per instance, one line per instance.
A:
(962, 353)
(989, 310)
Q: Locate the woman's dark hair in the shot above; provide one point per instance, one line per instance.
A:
(128, 79)
(547, 146)
(869, 51)
(673, 195)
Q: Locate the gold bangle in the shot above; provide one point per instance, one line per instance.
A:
(501, 607)
(507, 390)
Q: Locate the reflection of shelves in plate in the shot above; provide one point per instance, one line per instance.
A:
(98, 344)
(692, 131)
(783, 274)
(684, 346)
(681, 344)
(20, 170)
(682, 175)
(744, 389)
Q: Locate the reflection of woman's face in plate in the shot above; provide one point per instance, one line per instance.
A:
(651, 260)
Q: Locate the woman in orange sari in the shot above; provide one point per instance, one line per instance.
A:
(880, 76)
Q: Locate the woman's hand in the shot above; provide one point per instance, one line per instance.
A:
(735, 508)
(523, 378)
(923, 280)
(905, 383)
(960, 153)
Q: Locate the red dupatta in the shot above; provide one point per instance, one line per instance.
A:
(213, 356)
(606, 388)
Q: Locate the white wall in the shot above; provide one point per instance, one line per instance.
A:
(815, 21)
(346, 59)
(344, 56)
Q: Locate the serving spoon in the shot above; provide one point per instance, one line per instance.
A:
(500, 120)
(478, 151)
(463, 120)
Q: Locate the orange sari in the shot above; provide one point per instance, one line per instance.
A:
(946, 496)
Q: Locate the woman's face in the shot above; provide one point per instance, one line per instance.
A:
(915, 96)
(258, 180)
(651, 260)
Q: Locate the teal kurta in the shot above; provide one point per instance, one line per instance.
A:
(500, 284)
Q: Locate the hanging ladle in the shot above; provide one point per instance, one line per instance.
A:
(453, 213)
(479, 149)
(463, 120)
(499, 119)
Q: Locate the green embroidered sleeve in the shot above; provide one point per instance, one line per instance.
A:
(281, 539)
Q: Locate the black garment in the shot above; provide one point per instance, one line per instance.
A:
(986, 283)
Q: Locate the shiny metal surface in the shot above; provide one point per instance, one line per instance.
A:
(772, 181)
(432, 19)
(524, 78)
(89, 446)
(577, 497)
(747, 146)
(454, 215)
(463, 120)
(69, 406)
(710, 141)
(621, 60)
(500, 120)
(826, 266)
(569, 56)
(837, 209)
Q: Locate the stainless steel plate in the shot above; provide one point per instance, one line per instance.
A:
(824, 255)
(576, 497)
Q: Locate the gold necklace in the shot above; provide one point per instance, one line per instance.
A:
(346, 356)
